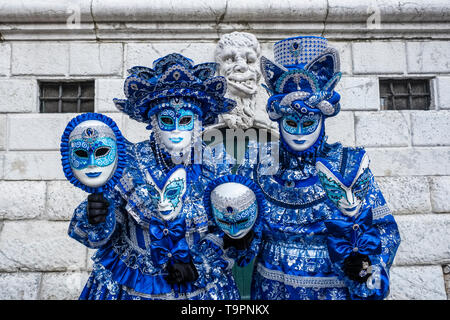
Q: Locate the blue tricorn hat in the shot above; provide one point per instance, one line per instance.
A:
(148, 90)
(302, 78)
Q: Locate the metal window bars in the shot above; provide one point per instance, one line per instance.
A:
(405, 94)
(63, 97)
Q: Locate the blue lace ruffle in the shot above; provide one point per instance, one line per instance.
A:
(121, 156)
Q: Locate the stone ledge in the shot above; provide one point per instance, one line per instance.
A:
(140, 19)
(223, 10)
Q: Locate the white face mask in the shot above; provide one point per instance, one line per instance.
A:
(170, 198)
(176, 141)
(348, 197)
(93, 153)
(175, 129)
(234, 208)
(301, 131)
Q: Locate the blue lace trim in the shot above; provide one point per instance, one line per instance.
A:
(121, 153)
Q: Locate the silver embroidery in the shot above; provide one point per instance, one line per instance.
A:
(300, 281)
(240, 203)
(171, 295)
(380, 212)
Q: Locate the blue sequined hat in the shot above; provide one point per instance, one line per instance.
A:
(149, 90)
(298, 50)
(302, 78)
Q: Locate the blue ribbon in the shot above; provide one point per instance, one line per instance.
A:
(162, 253)
(167, 241)
(173, 229)
(358, 236)
(345, 228)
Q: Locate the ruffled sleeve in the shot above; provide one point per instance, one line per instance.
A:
(384, 227)
(209, 256)
(94, 236)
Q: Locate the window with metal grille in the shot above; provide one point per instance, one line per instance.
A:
(405, 94)
(61, 97)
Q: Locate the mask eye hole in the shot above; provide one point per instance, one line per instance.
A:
(185, 120)
(291, 123)
(81, 154)
(243, 221)
(100, 152)
(223, 221)
(307, 124)
(172, 193)
(166, 120)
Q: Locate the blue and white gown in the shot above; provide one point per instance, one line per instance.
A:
(290, 246)
(134, 244)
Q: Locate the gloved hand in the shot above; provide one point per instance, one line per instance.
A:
(181, 272)
(358, 267)
(97, 208)
(240, 244)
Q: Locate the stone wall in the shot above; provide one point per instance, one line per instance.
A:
(409, 150)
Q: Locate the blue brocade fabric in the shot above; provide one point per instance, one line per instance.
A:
(291, 243)
(131, 259)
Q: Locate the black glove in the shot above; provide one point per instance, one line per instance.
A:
(240, 244)
(357, 267)
(97, 208)
(181, 272)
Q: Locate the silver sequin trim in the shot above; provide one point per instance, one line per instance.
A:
(300, 281)
(171, 295)
(380, 212)
(240, 203)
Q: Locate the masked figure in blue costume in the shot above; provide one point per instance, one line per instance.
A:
(154, 238)
(326, 232)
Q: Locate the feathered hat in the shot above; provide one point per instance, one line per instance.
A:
(149, 90)
(302, 78)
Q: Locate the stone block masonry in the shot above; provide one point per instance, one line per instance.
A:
(409, 150)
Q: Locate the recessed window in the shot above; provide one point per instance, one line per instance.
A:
(62, 97)
(405, 94)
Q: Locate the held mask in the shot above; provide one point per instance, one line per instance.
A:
(347, 193)
(92, 151)
(167, 199)
(235, 208)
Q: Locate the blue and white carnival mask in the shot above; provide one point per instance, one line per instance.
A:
(234, 208)
(175, 125)
(168, 198)
(93, 153)
(301, 131)
(347, 194)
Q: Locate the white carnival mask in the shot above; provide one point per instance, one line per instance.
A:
(93, 153)
(347, 193)
(235, 208)
(175, 126)
(301, 131)
(168, 198)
